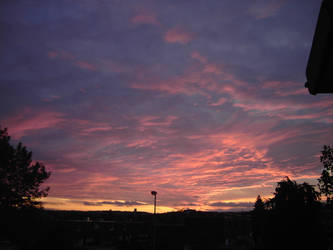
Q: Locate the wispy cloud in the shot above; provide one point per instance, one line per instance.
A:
(67, 56)
(232, 204)
(31, 121)
(85, 65)
(115, 203)
(264, 9)
(178, 35)
(146, 18)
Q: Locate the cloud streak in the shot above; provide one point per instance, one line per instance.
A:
(146, 18)
(265, 9)
(115, 203)
(177, 35)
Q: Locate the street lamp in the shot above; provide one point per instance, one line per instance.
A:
(154, 193)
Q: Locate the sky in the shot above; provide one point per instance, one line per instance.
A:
(202, 101)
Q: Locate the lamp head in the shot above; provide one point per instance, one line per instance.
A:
(154, 193)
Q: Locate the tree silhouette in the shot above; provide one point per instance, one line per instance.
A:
(20, 178)
(290, 195)
(325, 182)
(292, 217)
(258, 221)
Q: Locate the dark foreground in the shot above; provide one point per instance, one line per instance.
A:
(43, 229)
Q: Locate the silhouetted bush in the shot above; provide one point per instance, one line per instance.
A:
(290, 220)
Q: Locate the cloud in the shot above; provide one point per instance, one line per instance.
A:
(30, 121)
(85, 65)
(146, 18)
(196, 55)
(61, 54)
(177, 35)
(232, 204)
(156, 121)
(51, 98)
(263, 9)
(109, 65)
(186, 205)
(115, 203)
(66, 56)
(219, 102)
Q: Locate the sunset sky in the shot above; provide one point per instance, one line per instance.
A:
(202, 100)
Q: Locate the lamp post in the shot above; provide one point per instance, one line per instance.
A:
(154, 193)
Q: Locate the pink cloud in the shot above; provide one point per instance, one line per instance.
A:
(146, 18)
(206, 77)
(286, 88)
(198, 79)
(28, 121)
(142, 143)
(51, 98)
(299, 91)
(65, 170)
(196, 55)
(148, 121)
(61, 54)
(52, 54)
(324, 116)
(265, 8)
(87, 127)
(70, 57)
(85, 65)
(99, 128)
(115, 66)
(83, 90)
(263, 106)
(219, 102)
(177, 35)
(280, 85)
